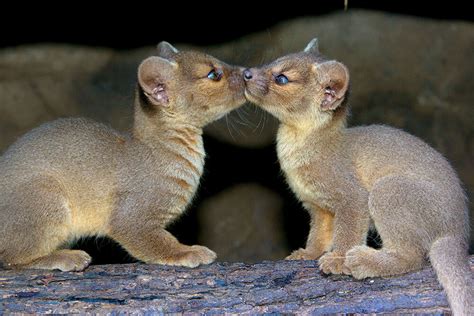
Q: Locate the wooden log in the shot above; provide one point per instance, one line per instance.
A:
(267, 287)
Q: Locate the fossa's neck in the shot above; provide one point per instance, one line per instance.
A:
(154, 127)
(302, 145)
(316, 135)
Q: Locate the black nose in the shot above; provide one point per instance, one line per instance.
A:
(247, 74)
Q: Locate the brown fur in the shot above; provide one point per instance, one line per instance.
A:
(75, 177)
(348, 178)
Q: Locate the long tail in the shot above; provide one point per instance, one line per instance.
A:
(449, 258)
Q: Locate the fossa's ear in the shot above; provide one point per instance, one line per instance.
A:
(312, 47)
(166, 50)
(154, 74)
(333, 77)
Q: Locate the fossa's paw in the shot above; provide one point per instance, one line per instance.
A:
(69, 260)
(358, 261)
(192, 256)
(302, 254)
(64, 260)
(332, 262)
(75, 260)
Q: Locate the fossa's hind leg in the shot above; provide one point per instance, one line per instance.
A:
(64, 260)
(35, 222)
(364, 262)
(400, 208)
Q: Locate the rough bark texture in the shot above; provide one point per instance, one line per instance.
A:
(268, 287)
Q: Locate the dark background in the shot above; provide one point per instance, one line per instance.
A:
(131, 25)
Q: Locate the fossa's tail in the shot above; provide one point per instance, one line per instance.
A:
(449, 258)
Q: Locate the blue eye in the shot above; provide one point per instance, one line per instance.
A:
(215, 75)
(281, 80)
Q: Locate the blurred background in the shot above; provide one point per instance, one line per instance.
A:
(411, 67)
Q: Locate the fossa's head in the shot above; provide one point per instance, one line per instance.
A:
(188, 85)
(300, 87)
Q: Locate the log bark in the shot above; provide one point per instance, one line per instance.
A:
(267, 287)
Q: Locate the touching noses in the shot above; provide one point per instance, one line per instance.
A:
(247, 74)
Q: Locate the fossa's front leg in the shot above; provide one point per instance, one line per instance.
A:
(156, 245)
(351, 225)
(319, 238)
(147, 240)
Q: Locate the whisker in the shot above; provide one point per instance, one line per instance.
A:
(227, 123)
(262, 59)
(232, 127)
(234, 119)
(244, 119)
(240, 122)
(259, 120)
(264, 122)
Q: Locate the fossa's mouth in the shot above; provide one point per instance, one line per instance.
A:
(240, 97)
(251, 97)
(247, 94)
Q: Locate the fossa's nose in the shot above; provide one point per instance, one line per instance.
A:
(247, 74)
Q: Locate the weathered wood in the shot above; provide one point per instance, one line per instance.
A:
(283, 287)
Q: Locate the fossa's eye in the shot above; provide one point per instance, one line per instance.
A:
(215, 75)
(281, 80)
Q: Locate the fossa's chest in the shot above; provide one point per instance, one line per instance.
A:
(312, 173)
(299, 167)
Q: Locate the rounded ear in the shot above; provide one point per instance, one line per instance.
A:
(166, 50)
(312, 47)
(153, 75)
(333, 76)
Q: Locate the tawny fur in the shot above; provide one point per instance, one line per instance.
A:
(351, 178)
(74, 177)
